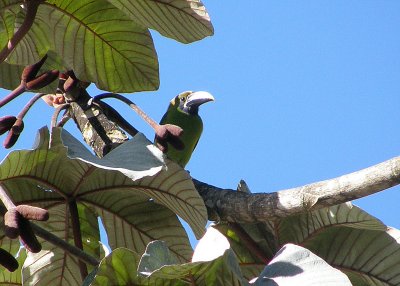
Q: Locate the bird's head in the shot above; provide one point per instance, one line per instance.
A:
(188, 102)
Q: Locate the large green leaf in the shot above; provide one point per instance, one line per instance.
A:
(137, 204)
(99, 42)
(345, 236)
(102, 45)
(120, 268)
(295, 265)
(183, 20)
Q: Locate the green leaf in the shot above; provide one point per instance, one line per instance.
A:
(101, 44)
(119, 268)
(303, 227)
(343, 235)
(156, 255)
(134, 211)
(369, 257)
(183, 20)
(223, 270)
(295, 265)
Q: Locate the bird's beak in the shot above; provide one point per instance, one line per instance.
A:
(197, 98)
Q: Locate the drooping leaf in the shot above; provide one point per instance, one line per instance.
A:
(183, 20)
(295, 265)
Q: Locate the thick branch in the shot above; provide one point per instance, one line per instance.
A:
(234, 206)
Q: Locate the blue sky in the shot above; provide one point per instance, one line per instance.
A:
(304, 92)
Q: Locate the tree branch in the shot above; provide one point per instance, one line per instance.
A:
(233, 206)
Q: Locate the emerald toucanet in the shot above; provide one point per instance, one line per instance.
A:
(183, 112)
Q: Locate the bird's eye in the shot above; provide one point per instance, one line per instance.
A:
(183, 99)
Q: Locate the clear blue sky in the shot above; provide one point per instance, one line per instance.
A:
(304, 92)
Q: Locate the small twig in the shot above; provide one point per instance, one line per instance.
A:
(57, 113)
(166, 133)
(131, 104)
(30, 103)
(78, 253)
(12, 95)
(63, 120)
(31, 10)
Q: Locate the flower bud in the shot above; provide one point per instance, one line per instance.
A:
(43, 80)
(13, 134)
(6, 122)
(30, 72)
(8, 261)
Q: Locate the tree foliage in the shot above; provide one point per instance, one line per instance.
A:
(133, 191)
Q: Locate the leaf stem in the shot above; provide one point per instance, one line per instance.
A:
(57, 113)
(18, 91)
(76, 229)
(5, 198)
(132, 105)
(28, 106)
(78, 253)
(248, 242)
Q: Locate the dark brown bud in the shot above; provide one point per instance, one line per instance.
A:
(11, 223)
(70, 83)
(43, 80)
(27, 235)
(6, 122)
(33, 213)
(169, 133)
(30, 72)
(13, 134)
(8, 261)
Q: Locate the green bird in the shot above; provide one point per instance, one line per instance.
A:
(183, 111)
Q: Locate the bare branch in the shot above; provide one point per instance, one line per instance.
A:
(235, 206)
